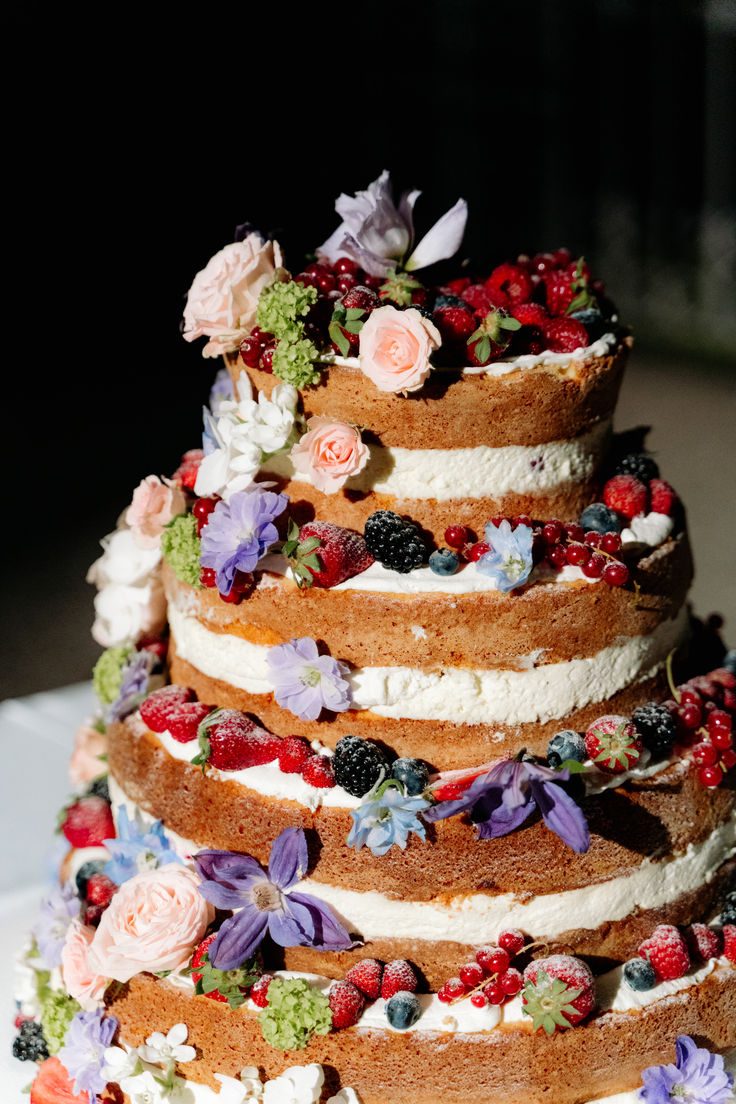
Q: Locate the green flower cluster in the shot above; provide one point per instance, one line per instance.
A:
(295, 1012)
(107, 675)
(181, 548)
(58, 1010)
(282, 308)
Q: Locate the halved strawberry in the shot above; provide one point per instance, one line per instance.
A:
(613, 743)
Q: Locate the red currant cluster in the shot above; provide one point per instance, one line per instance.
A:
(343, 275)
(491, 979)
(257, 349)
(556, 544)
(705, 708)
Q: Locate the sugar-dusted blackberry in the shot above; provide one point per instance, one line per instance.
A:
(394, 542)
(29, 1045)
(99, 788)
(358, 765)
(657, 728)
(638, 464)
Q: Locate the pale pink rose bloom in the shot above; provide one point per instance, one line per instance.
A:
(329, 453)
(85, 763)
(223, 298)
(153, 923)
(80, 978)
(395, 347)
(154, 505)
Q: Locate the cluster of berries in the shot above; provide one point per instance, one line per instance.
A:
(95, 889)
(230, 740)
(669, 952)
(703, 710)
(230, 987)
(491, 979)
(630, 496)
(360, 765)
(30, 1044)
(395, 982)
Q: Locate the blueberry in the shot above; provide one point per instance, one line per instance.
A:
(729, 661)
(600, 518)
(85, 872)
(403, 1009)
(593, 321)
(444, 561)
(413, 773)
(565, 745)
(450, 301)
(639, 974)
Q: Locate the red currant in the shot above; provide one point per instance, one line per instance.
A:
(552, 531)
(722, 740)
(202, 509)
(234, 597)
(471, 974)
(483, 957)
(719, 721)
(345, 282)
(615, 574)
(593, 569)
(479, 549)
(250, 351)
(521, 519)
(451, 990)
(346, 265)
(326, 282)
(499, 961)
(728, 758)
(556, 555)
(512, 940)
(691, 715)
(494, 993)
(611, 542)
(688, 696)
(306, 279)
(704, 754)
(593, 539)
(575, 533)
(498, 519)
(511, 981)
(456, 536)
(266, 363)
(208, 576)
(577, 554)
(710, 776)
(479, 1000)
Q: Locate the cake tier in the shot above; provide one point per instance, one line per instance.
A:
(507, 1064)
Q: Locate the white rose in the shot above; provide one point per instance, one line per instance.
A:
(125, 613)
(123, 561)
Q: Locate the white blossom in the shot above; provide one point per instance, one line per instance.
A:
(297, 1085)
(166, 1048)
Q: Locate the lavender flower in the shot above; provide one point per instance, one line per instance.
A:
(83, 1053)
(378, 235)
(262, 903)
(509, 562)
(305, 682)
(221, 391)
(386, 817)
(502, 799)
(56, 914)
(698, 1077)
(134, 851)
(133, 687)
(239, 532)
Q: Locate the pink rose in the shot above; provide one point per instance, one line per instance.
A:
(329, 453)
(223, 299)
(80, 978)
(395, 347)
(86, 762)
(154, 505)
(153, 923)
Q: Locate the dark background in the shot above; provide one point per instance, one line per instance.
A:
(137, 142)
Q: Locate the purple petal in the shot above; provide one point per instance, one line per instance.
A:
(226, 897)
(227, 866)
(291, 927)
(503, 819)
(289, 859)
(238, 938)
(562, 815)
(329, 934)
(443, 240)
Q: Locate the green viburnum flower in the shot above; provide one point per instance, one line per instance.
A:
(181, 548)
(57, 1012)
(294, 362)
(107, 675)
(281, 304)
(295, 1012)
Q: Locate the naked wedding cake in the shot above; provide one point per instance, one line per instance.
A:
(412, 776)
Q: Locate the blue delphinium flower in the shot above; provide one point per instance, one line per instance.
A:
(385, 818)
(239, 532)
(306, 682)
(133, 687)
(58, 909)
(135, 850)
(698, 1077)
(509, 562)
(264, 904)
(83, 1053)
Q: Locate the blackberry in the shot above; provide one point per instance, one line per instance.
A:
(565, 745)
(657, 728)
(394, 542)
(728, 908)
(639, 974)
(29, 1044)
(413, 774)
(85, 872)
(358, 765)
(99, 788)
(600, 519)
(638, 464)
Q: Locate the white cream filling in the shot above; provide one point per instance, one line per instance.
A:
(462, 695)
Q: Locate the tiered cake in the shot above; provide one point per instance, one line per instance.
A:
(439, 803)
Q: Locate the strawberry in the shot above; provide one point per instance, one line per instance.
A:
(87, 822)
(293, 754)
(317, 771)
(564, 335)
(703, 942)
(667, 952)
(456, 287)
(626, 495)
(347, 1004)
(341, 553)
(455, 324)
(450, 785)
(53, 1085)
(227, 986)
(259, 992)
(231, 741)
(613, 743)
(159, 705)
(511, 281)
(186, 474)
(366, 976)
(492, 337)
(559, 992)
(479, 298)
(398, 975)
(729, 942)
(186, 719)
(559, 291)
(100, 890)
(663, 497)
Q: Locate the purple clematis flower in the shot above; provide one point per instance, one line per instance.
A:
(83, 1053)
(378, 234)
(509, 562)
(698, 1077)
(239, 532)
(502, 799)
(263, 904)
(306, 682)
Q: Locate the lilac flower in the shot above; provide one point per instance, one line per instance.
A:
(698, 1077)
(386, 818)
(239, 882)
(239, 532)
(502, 799)
(509, 563)
(134, 851)
(221, 391)
(56, 914)
(83, 1053)
(305, 682)
(378, 235)
(133, 687)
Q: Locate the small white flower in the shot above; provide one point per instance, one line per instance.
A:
(143, 1089)
(232, 1091)
(166, 1048)
(120, 1063)
(345, 1096)
(297, 1085)
(251, 1082)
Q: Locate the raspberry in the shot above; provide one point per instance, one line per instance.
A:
(455, 324)
(510, 281)
(638, 464)
(341, 553)
(347, 1004)
(667, 952)
(559, 992)
(317, 771)
(398, 975)
(529, 314)
(564, 335)
(185, 719)
(367, 976)
(100, 890)
(88, 822)
(156, 708)
(657, 728)
(613, 743)
(259, 992)
(626, 495)
(293, 754)
(358, 765)
(559, 292)
(394, 542)
(663, 497)
(729, 942)
(479, 298)
(703, 942)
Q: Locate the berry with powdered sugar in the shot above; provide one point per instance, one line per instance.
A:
(667, 951)
(559, 992)
(626, 495)
(347, 1004)
(367, 976)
